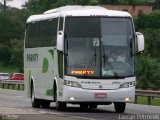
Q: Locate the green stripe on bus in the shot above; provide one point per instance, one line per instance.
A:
(49, 92)
(45, 65)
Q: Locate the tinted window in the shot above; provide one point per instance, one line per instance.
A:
(41, 33)
(82, 27)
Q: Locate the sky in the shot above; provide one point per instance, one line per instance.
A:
(14, 3)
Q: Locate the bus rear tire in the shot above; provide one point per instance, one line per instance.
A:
(84, 106)
(45, 103)
(119, 107)
(93, 106)
(35, 102)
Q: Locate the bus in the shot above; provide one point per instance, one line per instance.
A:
(81, 55)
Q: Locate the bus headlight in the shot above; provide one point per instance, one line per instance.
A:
(72, 84)
(128, 84)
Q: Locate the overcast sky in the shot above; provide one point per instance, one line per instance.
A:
(14, 3)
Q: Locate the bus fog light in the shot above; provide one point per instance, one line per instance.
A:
(127, 99)
(71, 98)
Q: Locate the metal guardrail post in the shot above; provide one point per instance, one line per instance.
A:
(136, 99)
(2, 85)
(149, 100)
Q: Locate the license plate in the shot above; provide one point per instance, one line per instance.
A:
(100, 95)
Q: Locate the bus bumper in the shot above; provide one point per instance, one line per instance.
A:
(72, 94)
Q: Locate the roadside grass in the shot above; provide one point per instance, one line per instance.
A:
(8, 69)
(8, 117)
(144, 101)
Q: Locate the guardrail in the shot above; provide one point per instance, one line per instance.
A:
(12, 84)
(19, 84)
(150, 94)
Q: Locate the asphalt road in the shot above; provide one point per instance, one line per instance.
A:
(14, 103)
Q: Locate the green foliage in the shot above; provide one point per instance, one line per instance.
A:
(151, 21)
(60, 3)
(39, 6)
(17, 54)
(8, 69)
(148, 65)
(6, 23)
(123, 2)
(12, 24)
(152, 39)
(4, 55)
(12, 27)
(148, 72)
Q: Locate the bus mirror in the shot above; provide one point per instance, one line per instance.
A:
(60, 41)
(140, 42)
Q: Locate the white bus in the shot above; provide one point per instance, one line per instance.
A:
(81, 55)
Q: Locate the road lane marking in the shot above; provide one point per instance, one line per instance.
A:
(19, 96)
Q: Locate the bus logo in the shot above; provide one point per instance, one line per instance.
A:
(100, 86)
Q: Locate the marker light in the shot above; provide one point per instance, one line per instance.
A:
(127, 84)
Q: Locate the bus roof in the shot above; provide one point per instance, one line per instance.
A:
(78, 10)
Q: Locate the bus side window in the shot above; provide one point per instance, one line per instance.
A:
(53, 31)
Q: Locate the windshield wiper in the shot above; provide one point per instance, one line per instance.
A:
(93, 59)
(105, 58)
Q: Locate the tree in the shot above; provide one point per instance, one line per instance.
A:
(148, 72)
(60, 3)
(148, 65)
(151, 21)
(17, 54)
(5, 28)
(12, 26)
(109, 1)
(4, 55)
(39, 6)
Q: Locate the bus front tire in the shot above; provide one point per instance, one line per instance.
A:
(93, 106)
(119, 107)
(35, 102)
(60, 106)
(83, 106)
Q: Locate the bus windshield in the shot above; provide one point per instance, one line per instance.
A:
(99, 47)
